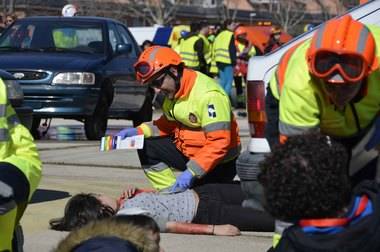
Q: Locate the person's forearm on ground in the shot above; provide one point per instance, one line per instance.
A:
(191, 228)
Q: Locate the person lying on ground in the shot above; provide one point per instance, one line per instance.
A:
(213, 209)
(306, 183)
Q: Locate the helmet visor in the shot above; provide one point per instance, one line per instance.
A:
(350, 66)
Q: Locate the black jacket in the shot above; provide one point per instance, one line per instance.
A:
(362, 236)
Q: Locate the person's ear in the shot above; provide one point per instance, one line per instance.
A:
(174, 71)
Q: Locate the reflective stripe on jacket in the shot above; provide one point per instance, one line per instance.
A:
(188, 54)
(201, 120)
(305, 107)
(221, 47)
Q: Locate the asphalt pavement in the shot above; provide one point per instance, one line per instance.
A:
(72, 165)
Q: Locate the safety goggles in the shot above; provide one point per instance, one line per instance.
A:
(143, 70)
(352, 67)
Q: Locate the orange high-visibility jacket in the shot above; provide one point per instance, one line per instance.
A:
(201, 120)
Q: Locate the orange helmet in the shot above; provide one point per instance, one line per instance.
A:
(342, 45)
(153, 61)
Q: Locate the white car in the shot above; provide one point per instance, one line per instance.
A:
(261, 69)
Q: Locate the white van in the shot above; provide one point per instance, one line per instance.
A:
(261, 69)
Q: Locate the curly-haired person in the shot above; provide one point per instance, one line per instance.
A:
(306, 183)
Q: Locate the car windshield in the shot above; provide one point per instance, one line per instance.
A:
(54, 36)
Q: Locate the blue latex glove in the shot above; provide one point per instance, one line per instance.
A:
(375, 138)
(128, 132)
(183, 182)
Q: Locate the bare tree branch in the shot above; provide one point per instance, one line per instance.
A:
(326, 15)
(288, 13)
(224, 9)
(158, 11)
(150, 11)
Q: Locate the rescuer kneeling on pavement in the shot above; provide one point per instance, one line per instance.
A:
(198, 133)
(20, 171)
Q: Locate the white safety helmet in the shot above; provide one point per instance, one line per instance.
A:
(69, 10)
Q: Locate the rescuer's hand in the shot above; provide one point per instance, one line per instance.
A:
(7, 202)
(183, 181)
(128, 132)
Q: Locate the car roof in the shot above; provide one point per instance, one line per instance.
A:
(76, 18)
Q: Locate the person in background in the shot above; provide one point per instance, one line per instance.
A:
(113, 234)
(225, 55)
(66, 37)
(197, 133)
(244, 50)
(10, 19)
(2, 25)
(191, 50)
(213, 69)
(20, 171)
(274, 40)
(306, 183)
(203, 34)
(147, 43)
(213, 209)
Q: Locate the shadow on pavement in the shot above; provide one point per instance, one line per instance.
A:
(43, 195)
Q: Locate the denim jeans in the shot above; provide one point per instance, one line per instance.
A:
(226, 77)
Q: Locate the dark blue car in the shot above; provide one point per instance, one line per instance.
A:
(76, 68)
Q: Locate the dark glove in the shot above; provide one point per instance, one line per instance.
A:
(375, 138)
(128, 132)
(183, 182)
(7, 202)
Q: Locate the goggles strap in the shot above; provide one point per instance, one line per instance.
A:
(177, 79)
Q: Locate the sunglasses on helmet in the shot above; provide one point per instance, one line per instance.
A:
(352, 67)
